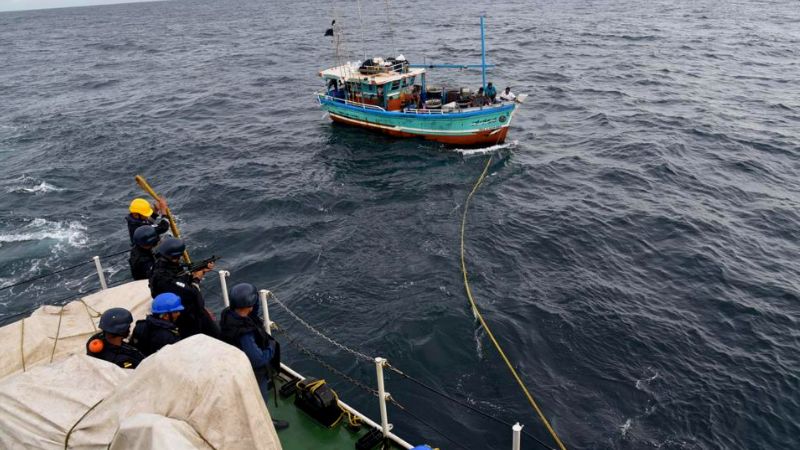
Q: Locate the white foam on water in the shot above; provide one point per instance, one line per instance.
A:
(486, 150)
(70, 232)
(639, 383)
(625, 428)
(32, 185)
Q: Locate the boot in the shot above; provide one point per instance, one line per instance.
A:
(280, 424)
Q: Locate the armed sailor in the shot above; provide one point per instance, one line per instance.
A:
(109, 345)
(158, 329)
(169, 275)
(141, 213)
(240, 326)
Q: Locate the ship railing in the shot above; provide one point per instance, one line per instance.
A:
(451, 110)
(349, 102)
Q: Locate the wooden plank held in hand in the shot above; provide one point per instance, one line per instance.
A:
(172, 225)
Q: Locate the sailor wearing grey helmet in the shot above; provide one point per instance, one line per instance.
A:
(109, 345)
(170, 276)
(241, 328)
(141, 259)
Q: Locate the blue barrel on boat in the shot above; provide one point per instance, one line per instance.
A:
(422, 447)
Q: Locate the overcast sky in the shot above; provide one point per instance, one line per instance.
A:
(20, 5)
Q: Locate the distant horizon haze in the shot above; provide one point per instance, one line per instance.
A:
(28, 5)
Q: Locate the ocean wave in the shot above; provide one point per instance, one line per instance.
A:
(72, 233)
(31, 185)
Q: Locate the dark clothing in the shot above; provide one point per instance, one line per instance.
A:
(152, 333)
(125, 355)
(141, 262)
(480, 100)
(248, 334)
(172, 277)
(160, 224)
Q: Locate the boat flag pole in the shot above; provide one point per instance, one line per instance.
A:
(483, 57)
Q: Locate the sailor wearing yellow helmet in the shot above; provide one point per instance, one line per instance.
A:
(142, 213)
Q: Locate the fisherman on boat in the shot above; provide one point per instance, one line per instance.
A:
(170, 276)
(141, 259)
(491, 92)
(158, 329)
(109, 345)
(480, 99)
(141, 213)
(241, 327)
(507, 95)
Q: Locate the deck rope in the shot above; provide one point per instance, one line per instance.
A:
(69, 433)
(483, 323)
(22, 343)
(58, 332)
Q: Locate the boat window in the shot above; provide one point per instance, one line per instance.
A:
(396, 85)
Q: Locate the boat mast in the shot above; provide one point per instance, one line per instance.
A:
(361, 21)
(483, 57)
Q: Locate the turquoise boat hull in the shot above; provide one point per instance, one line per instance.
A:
(469, 127)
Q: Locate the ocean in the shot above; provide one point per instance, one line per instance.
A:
(633, 247)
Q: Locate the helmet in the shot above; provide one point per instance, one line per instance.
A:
(171, 247)
(141, 206)
(145, 235)
(166, 303)
(116, 321)
(243, 295)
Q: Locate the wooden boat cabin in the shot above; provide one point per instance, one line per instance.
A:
(390, 84)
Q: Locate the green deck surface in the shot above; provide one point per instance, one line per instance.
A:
(304, 433)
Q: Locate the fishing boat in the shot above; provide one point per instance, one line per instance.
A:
(394, 97)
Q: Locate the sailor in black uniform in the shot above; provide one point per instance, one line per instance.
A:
(141, 259)
(158, 329)
(141, 213)
(109, 345)
(170, 276)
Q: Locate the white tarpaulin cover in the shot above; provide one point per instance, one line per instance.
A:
(155, 431)
(33, 339)
(198, 393)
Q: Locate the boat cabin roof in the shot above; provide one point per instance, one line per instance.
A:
(349, 72)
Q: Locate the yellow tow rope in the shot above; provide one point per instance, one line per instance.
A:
(483, 322)
(172, 225)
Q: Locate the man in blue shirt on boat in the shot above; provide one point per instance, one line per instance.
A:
(491, 92)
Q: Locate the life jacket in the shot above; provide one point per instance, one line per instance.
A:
(233, 327)
(125, 355)
(152, 333)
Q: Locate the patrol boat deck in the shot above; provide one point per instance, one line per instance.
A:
(50, 390)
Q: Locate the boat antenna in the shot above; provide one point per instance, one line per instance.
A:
(361, 21)
(483, 57)
(391, 29)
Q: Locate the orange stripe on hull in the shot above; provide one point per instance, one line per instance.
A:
(481, 138)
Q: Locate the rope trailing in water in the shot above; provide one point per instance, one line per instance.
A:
(360, 355)
(483, 323)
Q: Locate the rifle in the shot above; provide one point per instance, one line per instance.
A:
(190, 269)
